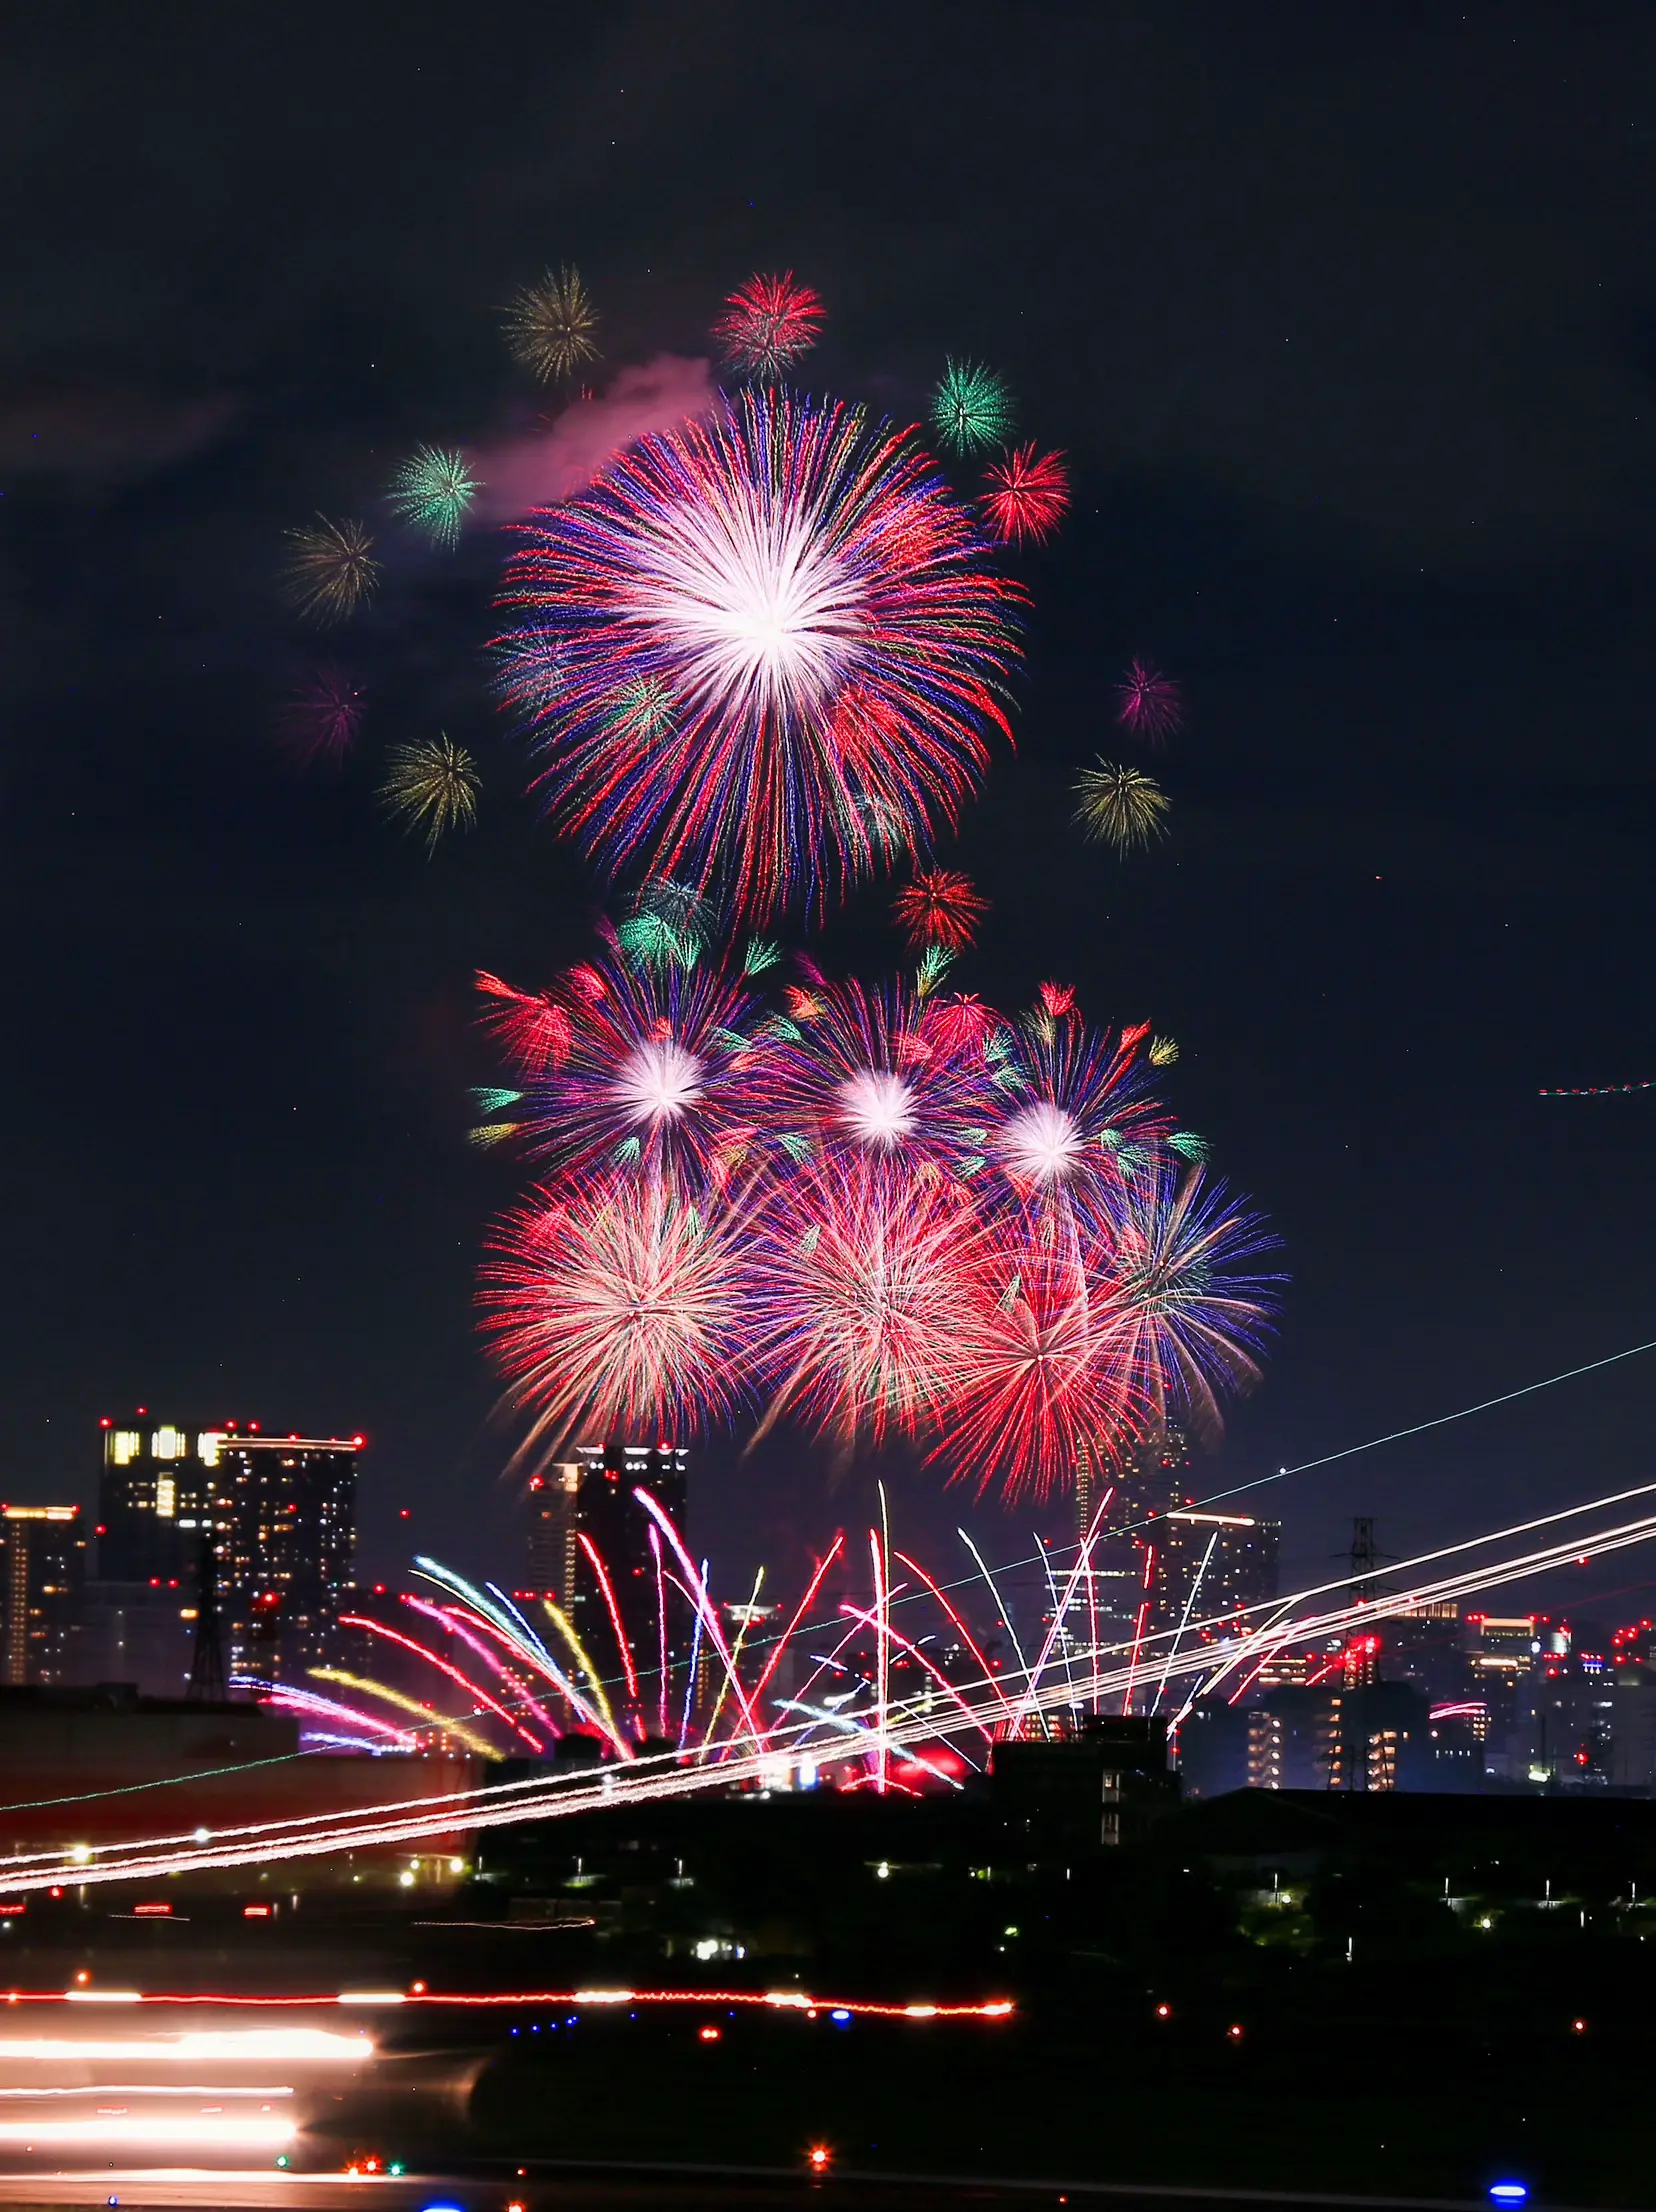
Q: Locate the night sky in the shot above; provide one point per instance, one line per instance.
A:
(1347, 320)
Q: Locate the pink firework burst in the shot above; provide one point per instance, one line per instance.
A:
(768, 323)
(1073, 1118)
(940, 907)
(617, 1307)
(320, 722)
(1027, 496)
(627, 1065)
(1149, 704)
(881, 1073)
(857, 1282)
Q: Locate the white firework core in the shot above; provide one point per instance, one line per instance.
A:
(876, 1108)
(658, 1082)
(1041, 1143)
(750, 600)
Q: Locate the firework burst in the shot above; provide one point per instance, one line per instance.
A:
(1194, 1308)
(431, 786)
(826, 647)
(617, 1307)
(434, 490)
(633, 1065)
(1027, 496)
(330, 572)
(884, 1074)
(1042, 1380)
(940, 907)
(320, 722)
(768, 324)
(1073, 1120)
(857, 1282)
(1149, 704)
(971, 407)
(550, 325)
(1120, 806)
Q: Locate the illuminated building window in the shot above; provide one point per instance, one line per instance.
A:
(125, 1445)
(169, 1444)
(166, 1496)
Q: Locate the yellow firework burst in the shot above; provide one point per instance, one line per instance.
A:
(330, 573)
(431, 786)
(549, 325)
(1123, 806)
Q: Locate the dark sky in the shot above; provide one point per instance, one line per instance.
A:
(1347, 319)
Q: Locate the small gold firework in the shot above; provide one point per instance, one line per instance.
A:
(329, 572)
(549, 325)
(1123, 806)
(431, 786)
(1163, 1051)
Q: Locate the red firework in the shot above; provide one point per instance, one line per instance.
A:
(940, 907)
(1027, 496)
(768, 323)
(858, 1281)
(618, 1308)
(320, 722)
(1042, 1376)
(1149, 704)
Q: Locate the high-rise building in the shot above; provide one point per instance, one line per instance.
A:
(43, 1563)
(598, 1555)
(278, 1513)
(1211, 1571)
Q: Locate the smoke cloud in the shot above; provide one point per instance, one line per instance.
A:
(557, 462)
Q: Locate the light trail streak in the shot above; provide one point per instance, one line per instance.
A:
(241, 2043)
(204, 2131)
(660, 1777)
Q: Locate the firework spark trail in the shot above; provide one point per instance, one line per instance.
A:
(601, 1573)
(605, 1715)
(427, 1715)
(1184, 1620)
(443, 1666)
(1595, 1090)
(328, 1708)
(500, 1804)
(823, 621)
(704, 1608)
(448, 1618)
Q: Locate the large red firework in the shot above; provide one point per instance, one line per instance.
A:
(617, 1308)
(768, 323)
(940, 907)
(782, 649)
(859, 1277)
(1027, 496)
(1042, 1381)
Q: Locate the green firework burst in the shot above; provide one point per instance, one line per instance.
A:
(434, 491)
(972, 407)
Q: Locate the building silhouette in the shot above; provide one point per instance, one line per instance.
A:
(278, 1513)
(43, 1564)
